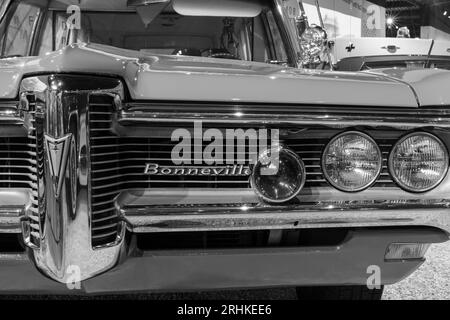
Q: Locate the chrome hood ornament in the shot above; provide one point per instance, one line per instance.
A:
(58, 152)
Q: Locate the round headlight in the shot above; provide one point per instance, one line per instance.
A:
(418, 162)
(351, 161)
(278, 177)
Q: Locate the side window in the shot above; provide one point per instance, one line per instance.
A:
(276, 38)
(19, 31)
(46, 41)
(60, 31)
(260, 41)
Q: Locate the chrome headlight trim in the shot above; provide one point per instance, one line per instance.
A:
(380, 162)
(391, 159)
(297, 159)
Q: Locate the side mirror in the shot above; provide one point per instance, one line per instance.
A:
(312, 39)
(313, 43)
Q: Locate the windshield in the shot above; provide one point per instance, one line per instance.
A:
(163, 31)
(18, 28)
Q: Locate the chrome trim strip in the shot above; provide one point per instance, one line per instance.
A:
(14, 197)
(162, 210)
(10, 120)
(10, 219)
(289, 33)
(64, 218)
(140, 113)
(9, 109)
(13, 204)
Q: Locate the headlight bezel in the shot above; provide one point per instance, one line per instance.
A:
(394, 177)
(376, 176)
(280, 149)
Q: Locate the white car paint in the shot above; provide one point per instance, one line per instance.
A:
(156, 77)
(346, 47)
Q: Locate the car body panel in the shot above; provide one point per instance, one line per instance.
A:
(154, 271)
(55, 97)
(346, 47)
(430, 85)
(355, 54)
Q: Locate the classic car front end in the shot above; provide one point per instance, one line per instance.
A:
(90, 193)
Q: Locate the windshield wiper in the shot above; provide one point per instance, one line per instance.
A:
(11, 56)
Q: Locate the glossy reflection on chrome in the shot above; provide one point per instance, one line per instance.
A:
(352, 161)
(279, 175)
(419, 162)
(62, 222)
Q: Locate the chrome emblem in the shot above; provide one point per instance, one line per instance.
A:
(154, 169)
(58, 152)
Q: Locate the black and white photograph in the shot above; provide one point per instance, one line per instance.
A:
(224, 156)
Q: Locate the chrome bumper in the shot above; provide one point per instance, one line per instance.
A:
(56, 107)
(143, 214)
(12, 208)
(10, 219)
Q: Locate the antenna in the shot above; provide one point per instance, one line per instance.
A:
(322, 25)
(320, 14)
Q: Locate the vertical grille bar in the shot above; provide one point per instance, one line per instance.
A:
(105, 222)
(35, 138)
(18, 170)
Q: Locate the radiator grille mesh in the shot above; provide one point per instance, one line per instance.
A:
(118, 163)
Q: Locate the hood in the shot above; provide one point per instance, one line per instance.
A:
(431, 86)
(157, 77)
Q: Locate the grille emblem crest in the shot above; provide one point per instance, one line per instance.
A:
(58, 152)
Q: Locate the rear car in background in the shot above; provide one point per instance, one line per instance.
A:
(359, 54)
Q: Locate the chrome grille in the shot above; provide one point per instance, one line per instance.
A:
(118, 163)
(17, 163)
(18, 160)
(36, 145)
